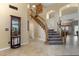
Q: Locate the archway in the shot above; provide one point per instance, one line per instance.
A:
(70, 13)
(52, 19)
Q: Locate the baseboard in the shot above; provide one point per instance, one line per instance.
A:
(41, 40)
(24, 43)
(2, 49)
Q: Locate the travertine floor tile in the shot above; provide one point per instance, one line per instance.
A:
(38, 48)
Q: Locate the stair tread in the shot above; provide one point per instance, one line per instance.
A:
(53, 33)
(55, 42)
(54, 38)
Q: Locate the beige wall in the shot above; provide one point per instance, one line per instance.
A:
(34, 30)
(5, 13)
(31, 29)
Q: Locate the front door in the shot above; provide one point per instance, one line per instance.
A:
(15, 31)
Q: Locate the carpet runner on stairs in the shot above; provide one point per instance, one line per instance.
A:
(54, 38)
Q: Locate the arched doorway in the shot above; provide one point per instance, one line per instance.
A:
(70, 13)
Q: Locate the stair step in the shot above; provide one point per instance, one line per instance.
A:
(55, 42)
(54, 36)
(52, 32)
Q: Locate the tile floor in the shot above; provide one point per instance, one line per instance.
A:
(38, 48)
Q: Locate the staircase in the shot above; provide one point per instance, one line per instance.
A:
(41, 22)
(54, 38)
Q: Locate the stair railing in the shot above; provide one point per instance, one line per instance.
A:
(41, 22)
(62, 33)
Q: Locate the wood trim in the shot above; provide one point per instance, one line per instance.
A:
(27, 25)
(15, 16)
(13, 7)
(65, 25)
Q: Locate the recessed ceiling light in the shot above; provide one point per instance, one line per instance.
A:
(67, 5)
(33, 6)
(52, 11)
(28, 6)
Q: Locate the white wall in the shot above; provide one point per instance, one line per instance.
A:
(31, 29)
(70, 16)
(52, 22)
(36, 32)
(5, 21)
(42, 34)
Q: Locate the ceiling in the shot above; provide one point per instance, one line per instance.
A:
(47, 4)
(70, 10)
(57, 6)
(54, 6)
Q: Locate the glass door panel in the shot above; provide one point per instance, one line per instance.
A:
(15, 32)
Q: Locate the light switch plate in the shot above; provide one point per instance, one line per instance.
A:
(6, 29)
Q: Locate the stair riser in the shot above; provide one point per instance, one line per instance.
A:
(53, 34)
(50, 29)
(54, 38)
(55, 43)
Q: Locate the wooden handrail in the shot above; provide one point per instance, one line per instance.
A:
(41, 22)
(42, 19)
(38, 21)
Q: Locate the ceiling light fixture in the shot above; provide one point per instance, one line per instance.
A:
(33, 6)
